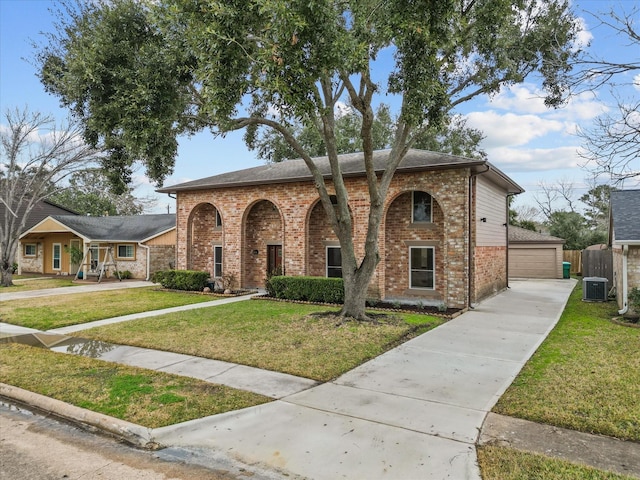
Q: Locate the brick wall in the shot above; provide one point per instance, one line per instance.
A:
(162, 257)
(250, 221)
(30, 264)
(490, 266)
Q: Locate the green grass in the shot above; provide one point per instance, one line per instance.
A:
(585, 376)
(23, 284)
(285, 337)
(59, 311)
(145, 397)
(500, 463)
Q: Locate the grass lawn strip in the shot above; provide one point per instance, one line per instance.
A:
(283, 337)
(145, 397)
(26, 284)
(584, 376)
(60, 311)
(500, 463)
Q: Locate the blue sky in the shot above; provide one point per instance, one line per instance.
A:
(527, 141)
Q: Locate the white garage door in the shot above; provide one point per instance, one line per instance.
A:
(532, 262)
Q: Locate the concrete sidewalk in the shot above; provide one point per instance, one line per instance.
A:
(413, 412)
(80, 288)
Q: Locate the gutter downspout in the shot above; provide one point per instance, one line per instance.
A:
(148, 260)
(625, 283)
(507, 235)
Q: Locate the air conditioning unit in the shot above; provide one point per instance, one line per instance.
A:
(594, 289)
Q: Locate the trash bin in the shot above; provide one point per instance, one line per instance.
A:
(566, 269)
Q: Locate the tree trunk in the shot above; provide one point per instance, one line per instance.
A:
(355, 295)
(6, 274)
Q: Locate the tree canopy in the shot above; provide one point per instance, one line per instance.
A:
(88, 193)
(140, 73)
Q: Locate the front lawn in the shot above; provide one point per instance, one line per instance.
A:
(50, 312)
(284, 337)
(585, 376)
(145, 397)
(23, 284)
(500, 463)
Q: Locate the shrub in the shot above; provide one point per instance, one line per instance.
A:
(634, 299)
(126, 275)
(310, 289)
(190, 280)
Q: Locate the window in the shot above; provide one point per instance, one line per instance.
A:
(421, 207)
(30, 250)
(218, 219)
(217, 261)
(57, 253)
(334, 262)
(422, 272)
(126, 251)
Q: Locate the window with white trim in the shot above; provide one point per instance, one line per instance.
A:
(30, 250)
(334, 262)
(217, 261)
(57, 256)
(421, 210)
(422, 268)
(126, 250)
(218, 219)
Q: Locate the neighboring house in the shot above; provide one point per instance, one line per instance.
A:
(40, 211)
(443, 237)
(624, 238)
(142, 244)
(534, 255)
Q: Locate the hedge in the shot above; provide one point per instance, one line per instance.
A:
(310, 289)
(190, 280)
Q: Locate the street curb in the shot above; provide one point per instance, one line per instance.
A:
(127, 431)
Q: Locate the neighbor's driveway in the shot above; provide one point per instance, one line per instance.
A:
(413, 412)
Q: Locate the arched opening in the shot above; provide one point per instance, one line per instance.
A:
(263, 247)
(414, 248)
(204, 232)
(323, 247)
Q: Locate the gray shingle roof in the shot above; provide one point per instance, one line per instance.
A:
(352, 165)
(131, 228)
(625, 212)
(522, 235)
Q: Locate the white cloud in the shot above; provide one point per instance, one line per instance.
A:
(534, 159)
(525, 97)
(509, 129)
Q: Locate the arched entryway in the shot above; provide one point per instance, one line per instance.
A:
(263, 252)
(414, 248)
(204, 234)
(323, 247)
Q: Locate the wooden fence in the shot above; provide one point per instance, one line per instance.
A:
(575, 258)
(590, 263)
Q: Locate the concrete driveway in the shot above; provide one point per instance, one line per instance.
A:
(413, 412)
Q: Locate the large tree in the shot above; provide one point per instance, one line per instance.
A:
(35, 155)
(140, 73)
(89, 193)
(452, 137)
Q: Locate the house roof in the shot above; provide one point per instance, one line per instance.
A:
(129, 228)
(40, 211)
(625, 215)
(352, 166)
(522, 235)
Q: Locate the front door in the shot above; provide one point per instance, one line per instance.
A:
(274, 260)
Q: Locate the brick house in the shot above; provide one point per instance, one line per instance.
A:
(443, 236)
(624, 238)
(141, 244)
